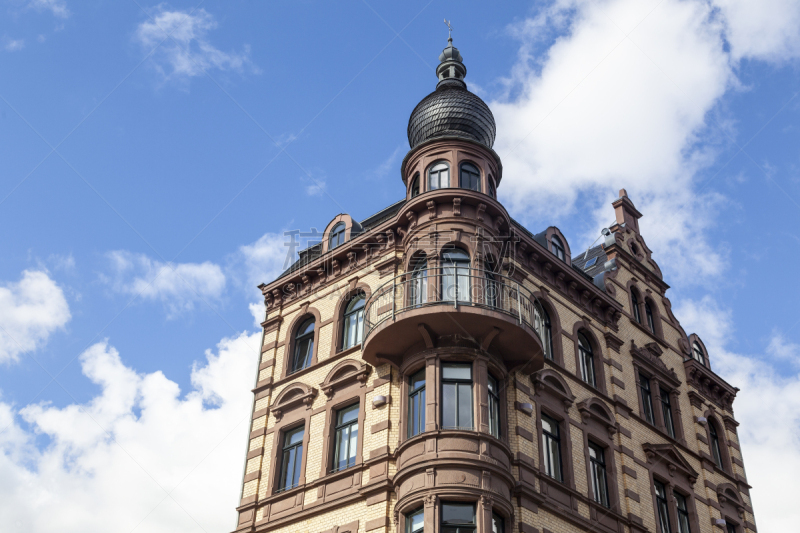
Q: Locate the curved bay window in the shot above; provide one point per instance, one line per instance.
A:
(337, 236)
(415, 521)
(492, 290)
(346, 438)
(551, 446)
(597, 462)
(498, 524)
(469, 177)
(586, 357)
(697, 353)
(439, 176)
(416, 404)
(716, 450)
(494, 407)
(541, 323)
(455, 275)
(458, 517)
(353, 322)
(648, 311)
(418, 289)
(637, 315)
(557, 247)
(303, 346)
(457, 396)
(492, 189)
(414, 186)
(292, 458)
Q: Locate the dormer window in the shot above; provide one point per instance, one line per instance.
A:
(439, 176)
(557, 247)
(697, 353)
(470, 177)
(337, 236)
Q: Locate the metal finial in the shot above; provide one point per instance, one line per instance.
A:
(449, 30)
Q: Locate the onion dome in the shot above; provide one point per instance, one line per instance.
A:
(451, 110)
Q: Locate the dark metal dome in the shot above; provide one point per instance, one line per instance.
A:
(451, 110)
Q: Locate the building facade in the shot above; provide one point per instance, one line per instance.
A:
(438, 367)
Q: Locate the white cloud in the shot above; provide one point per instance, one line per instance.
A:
(782, 349)
(179, 286)
(623, 98)
(13, 45)
(316, 186)
(57, 7)
(266, 258)
(137, 455)
(767, 407)
(183, 46)
(31, 310)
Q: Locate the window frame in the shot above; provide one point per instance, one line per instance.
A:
(298, 461)
(413, 187)
(494, 403)
(338, 427)
(557, 248)
(585, 360)
(637, 313)
(460, 528)
(350, 311)
(715, 444)
(409, 516)
(684, 524)
(419, 394)
(546, 328)
(597, 469)
(648, 409)
(651, 321)
(546, 445)
(438, 172)
(667, 413)
(338, 231)
(456, 274)
(697, 348)
(299, 338)
(457, 382)
(476, 175)
(662, 507)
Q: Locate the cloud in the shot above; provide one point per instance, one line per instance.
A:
(31, 310)
(183, 49)
(265, 259)
(179, 286)
(316, 187)
(782, 349)
(767, 407)
(388, 166)
(57, 7)
(13, 45)
(626, 95)
(138, 454)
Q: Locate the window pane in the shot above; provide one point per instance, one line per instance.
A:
(456, 371)
(464, 405)
(349, 414)
(458, 513)
(497, 524)
(415, 521)
(418, 380)
(294, 437)
(449, 405)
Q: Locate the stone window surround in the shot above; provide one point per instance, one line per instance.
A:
(673, 479)
(585, 328)
(656, 384)
(555, 326)
(291, 332)
(732, 508)
(554, 231)
(431, 360)
(348, 231)
(713, 417)
(454, 157)
(432, 504)
(694, 338)
(600, 429)
(554, 403)
(645, 297)
(338, 316)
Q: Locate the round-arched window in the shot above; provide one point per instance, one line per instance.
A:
(492, 189)
(418, 290)
(353, 328)
(541, 323)
(455, 275)
(697, 353)
(337, 236)
(651, 323)
(586, 356)
(439, 176)
(469, 177)
(557, 247)
(635, 304)
(303, 346)
(415, 185)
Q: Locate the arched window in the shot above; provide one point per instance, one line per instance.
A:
(492, 189)
(337, 236)
(648, 311)
(491, 294)
(697, 353)
(637, 315)
(470, 177)
(415, 185)
(303, 346)
(557, 247)
(439, 176)
(418, 289)
(587, 360)
(541, 323)
(455, 275)
(716, 450)
(353, 328)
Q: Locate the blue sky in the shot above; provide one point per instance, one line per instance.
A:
(133, 135)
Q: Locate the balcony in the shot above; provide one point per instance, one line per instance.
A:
(491, 311)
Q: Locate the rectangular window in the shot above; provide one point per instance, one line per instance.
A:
(662, 507)
(457, 396)
(498, 525)
(551, 448)
(458, 517)
(415, 521)
(494, 407)
(683, 513)
(416, 404)
(730, 528)
(666, 408)
(597, 461)
(647, 399)
(292, 458)
(346, 438)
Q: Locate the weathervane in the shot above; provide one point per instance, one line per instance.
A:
(449, 29)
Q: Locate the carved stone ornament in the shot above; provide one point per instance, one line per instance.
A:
(457, 207)
(709, 385)
(430, 500)
(291, 398)
(672, 458)
(344, 374)
(431, 209)
(649, 357)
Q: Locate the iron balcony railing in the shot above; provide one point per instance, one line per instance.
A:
(453, 286)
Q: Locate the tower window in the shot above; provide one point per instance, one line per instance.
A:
(292, 458)
(415, 521)
(492, 189)
(551, 448)
(455, 275)
(418, 292)
(415, 186)
(346, 438)
(557, 247)
(416, 404)
(337, 236)
(470, 177)
(586, 360)
(458, 517)
(494, 407)
(697, 353)
(353, 328)
(439, 176)
(457, 396)
(597, 460)
(303, 346)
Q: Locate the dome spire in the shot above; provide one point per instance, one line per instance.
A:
(451, 70)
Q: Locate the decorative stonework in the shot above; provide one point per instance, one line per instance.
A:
(649, 356)
(709, 385)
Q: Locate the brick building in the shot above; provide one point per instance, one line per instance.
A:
(437, 366)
